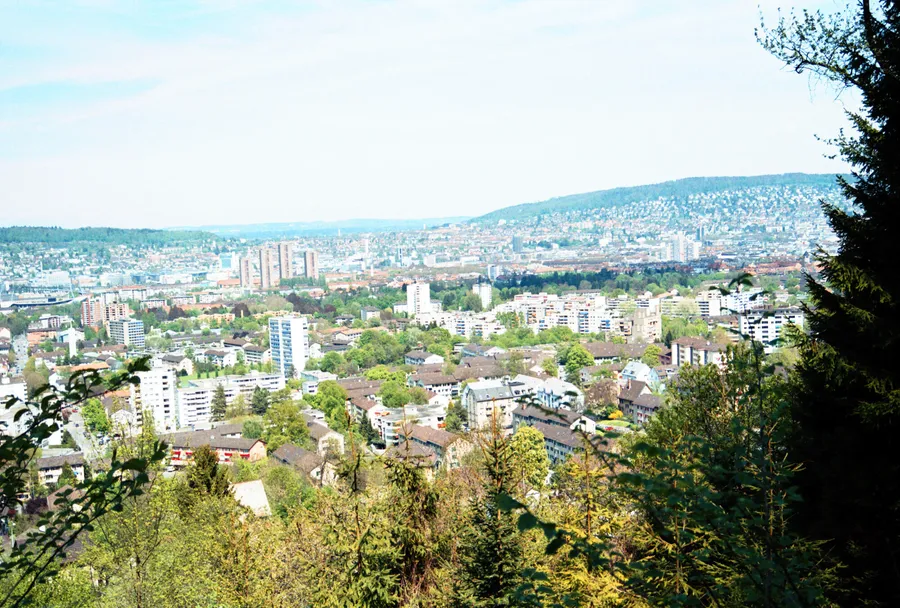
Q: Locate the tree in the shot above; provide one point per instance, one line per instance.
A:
(284, 422)
(550, 367)
(577, 358)
(95, 416)
(491, 548)
(368, 432)
(66, 477)
(472, 301)
(529, 461)
(252, 429)
(259, 401)
(651, 355)
(33, 561)
(204, 476)
(237, 408)
(456, 418)
(848, 391)
(218, 406)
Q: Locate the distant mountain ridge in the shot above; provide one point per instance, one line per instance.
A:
(54, 235)
(323, 228)
(672, 189)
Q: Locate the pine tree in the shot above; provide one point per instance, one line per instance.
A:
(848, 395)
(259, 402)
(217, 409)
(491, 547)
(204, 475)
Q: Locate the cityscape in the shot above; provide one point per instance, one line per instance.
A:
(425, 306)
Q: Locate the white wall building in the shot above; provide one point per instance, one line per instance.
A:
(485, 291)
(418, 299)
(766, 325)
(156, 394)
(289, 342)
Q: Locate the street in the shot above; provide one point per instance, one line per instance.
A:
(87, 445)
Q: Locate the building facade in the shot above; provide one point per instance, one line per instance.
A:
(128, 332)
(289, 343)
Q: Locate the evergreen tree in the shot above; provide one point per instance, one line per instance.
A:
(66, 477)
(847, 405)
(259, 402)
(204, 476)
(491, 549)
(217, 409)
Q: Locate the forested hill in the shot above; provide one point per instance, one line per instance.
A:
(53, 235)
(677, 189)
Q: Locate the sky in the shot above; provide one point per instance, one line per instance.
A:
(193, 112)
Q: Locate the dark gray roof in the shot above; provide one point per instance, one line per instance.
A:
(559, 434)
(174, 358)
(317, 430)
(197, 438)
(296, 456)
(428, 435)
(632, 390)
(608, 350)
(433, 379)
(52, 462)
(648, 400)
(490, 393)
(559, 417)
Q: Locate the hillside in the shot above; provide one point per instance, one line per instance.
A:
(681, 189)
(52, 235)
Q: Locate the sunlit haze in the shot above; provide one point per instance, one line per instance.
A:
(192, 113)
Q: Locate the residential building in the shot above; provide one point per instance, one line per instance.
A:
(228, 449)
(418, 299)
(311, 264)
(369, 312)
(129, 333)
(557, 394)
(327, 442)
(418, 357)
(266, 275)
(449, 448)
(638, 370)
(642, 408)
(156, 395)
(530, 415)
(289, 342)
(221, 358)
(49, 469)
(97, 312)
(436, 382)
(768, 324)
(256, 354)
(312, 378)
(179, 363)
(285, 261)
(485, 291)
(486, 400)
(195, 400)
(246, 274)
(312, 464)
(697, 351)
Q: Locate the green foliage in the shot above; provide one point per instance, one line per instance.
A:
(284, 423)
(204, 475)
(457, 416)
(67, 477)
(382, 372)
(577, 358)
(396, 394)
(529, 461)
(219, 403)
(847, 385)
(95, 416)
(252, 429)
(651, 355)
(259, 401)
(492, 548)
(140, 238)
(35, 560)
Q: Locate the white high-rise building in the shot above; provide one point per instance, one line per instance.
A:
(485, 291)
(289, 341)
(156, 394)
(418, 299)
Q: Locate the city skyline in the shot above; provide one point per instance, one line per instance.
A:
(192, 115)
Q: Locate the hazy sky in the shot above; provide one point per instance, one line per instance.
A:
(187, 112)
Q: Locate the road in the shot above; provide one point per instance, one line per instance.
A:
(87, 445)
(20, 347)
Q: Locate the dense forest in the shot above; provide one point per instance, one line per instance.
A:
(55, 236)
